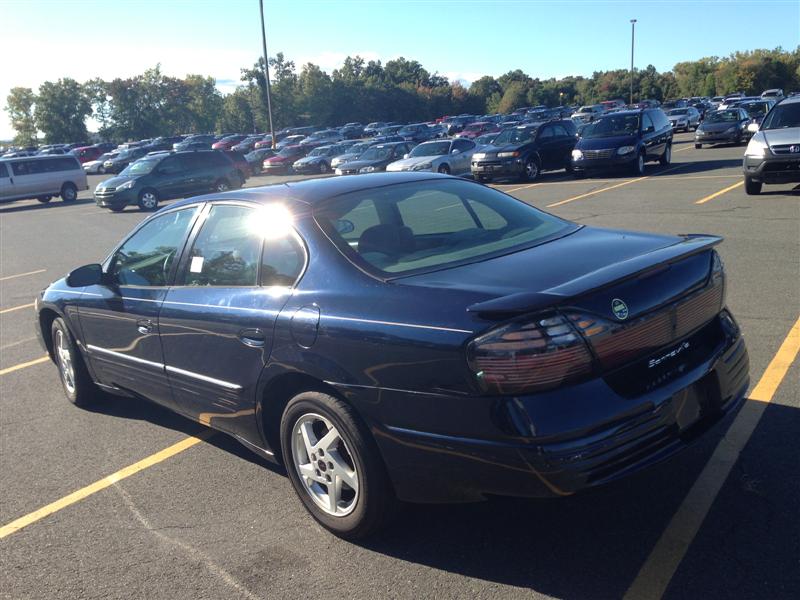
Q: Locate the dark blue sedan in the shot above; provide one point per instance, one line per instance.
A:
(407, 336)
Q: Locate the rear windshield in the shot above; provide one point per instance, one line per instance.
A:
(783, 116)
(402, 229)
(723, 116)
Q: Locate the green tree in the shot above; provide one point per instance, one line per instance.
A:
(514, 97)
(19, 106)
(61, 111)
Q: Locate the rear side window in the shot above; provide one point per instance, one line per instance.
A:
(25, 167)
(227, 251)
(3, 170)
(282, 261)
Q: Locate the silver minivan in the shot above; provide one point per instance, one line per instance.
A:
(41, 177)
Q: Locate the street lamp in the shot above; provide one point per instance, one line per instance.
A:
(633, 29)
(266, 72)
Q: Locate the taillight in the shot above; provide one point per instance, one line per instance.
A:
(529, 355)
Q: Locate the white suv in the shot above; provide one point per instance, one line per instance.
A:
(773, 153)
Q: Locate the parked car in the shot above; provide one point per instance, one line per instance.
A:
(473, 130)
(774, 94)
(484, 140)
(243, 171)
(266, 141)
(194, 142)
(247, 144)
(256, 158)
(625, 140)
(588, 113)
(686, 119)
(326, 136)
(523, 152)
(372, 128)
(86, 153)
(415, 133)
(756, 110)
(282, 162)
(773, 154)
(150, 180)
(727, 126)
(123, 159)
(352, 153)
(97, 167)
(106, 146)
(41, 177)
(670, 104)
(290, 140)
(375, 158)
(352, 131)
(318, 160)
(55, 151)
(401, 354)
(164, 143)
(228, 142)
(451, 157)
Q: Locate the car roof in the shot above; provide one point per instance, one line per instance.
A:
(309, 192)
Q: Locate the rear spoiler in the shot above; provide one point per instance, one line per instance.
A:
(523, 302)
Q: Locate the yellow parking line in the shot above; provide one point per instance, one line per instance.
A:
(13, 308)
(653, 578)
(719, 193)
(103, 483)
(22, 274)
(587, 194)
(24, 365)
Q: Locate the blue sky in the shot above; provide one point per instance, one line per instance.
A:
(460, 39)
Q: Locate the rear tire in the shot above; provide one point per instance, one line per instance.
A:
(698, 146)
(666, 158)
(752, 188)
(314, 469)
(75, 379)
(148, 199)
(69, 193)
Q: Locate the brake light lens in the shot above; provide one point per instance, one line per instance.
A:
(529, 355)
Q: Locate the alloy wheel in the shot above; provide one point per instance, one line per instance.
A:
(531, 170)
(65, 361)
(324, 465)
(149, 200)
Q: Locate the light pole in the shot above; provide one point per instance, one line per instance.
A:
(633, 29)
(266, 72)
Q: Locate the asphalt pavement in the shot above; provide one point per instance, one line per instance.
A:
(214, 521)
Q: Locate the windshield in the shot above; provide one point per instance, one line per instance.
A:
(376, 153)
(678, 111)
(613, 126)
(288, 151)
(400, 229)
(126, 154)
(515, 136)
(432, 149)
(358, 148)
(723, 116)
(783, 116)
(140, 167)
(755, 108)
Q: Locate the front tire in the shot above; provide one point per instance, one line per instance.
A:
(222, 185)
(751, 187)
(69, 193)
(78, 385)
(531, 172)
(335, 466)
(444, 169)
(638, 164)
(148, 199)
(44, 199)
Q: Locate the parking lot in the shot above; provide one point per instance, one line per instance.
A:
(211, 520)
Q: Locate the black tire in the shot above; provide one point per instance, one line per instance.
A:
(638, 164)
(444, 169)
(375, 502)
(698, 146)
(79, 387)
(752, 188)
(221, 185)
(148, 199)
(532, 169)
(117, 209)
(44, 199)
(69, 193)
(666, 158)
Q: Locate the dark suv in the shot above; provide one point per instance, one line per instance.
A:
(525, 151)
(626, 139)
(176, 175)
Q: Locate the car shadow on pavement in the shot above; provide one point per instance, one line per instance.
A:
(10, 207)
(593, 544)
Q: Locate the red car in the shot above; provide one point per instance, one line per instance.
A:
(227, 143)
(473, 130)
(282, 162)
(86, 153)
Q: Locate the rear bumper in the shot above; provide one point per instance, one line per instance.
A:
(448, 449)
(773, 169)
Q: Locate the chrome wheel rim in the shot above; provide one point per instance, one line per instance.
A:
(324, 465)
(65, 361)
(69, 194)
(149, 200)
(531, 170)
(640, 164)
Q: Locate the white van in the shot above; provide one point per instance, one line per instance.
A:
(41, 177)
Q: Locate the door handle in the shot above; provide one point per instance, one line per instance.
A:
(144, 326)
(255, 338)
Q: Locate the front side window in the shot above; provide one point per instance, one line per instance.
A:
(3, 170)
(146, 257)
(405, 228)
(227, 250)
(783, 116)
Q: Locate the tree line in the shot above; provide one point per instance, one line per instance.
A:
(153, 104)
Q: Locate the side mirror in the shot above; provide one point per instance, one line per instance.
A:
(455, 151)
(752, 127)
(405, 155)
(86, 275)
